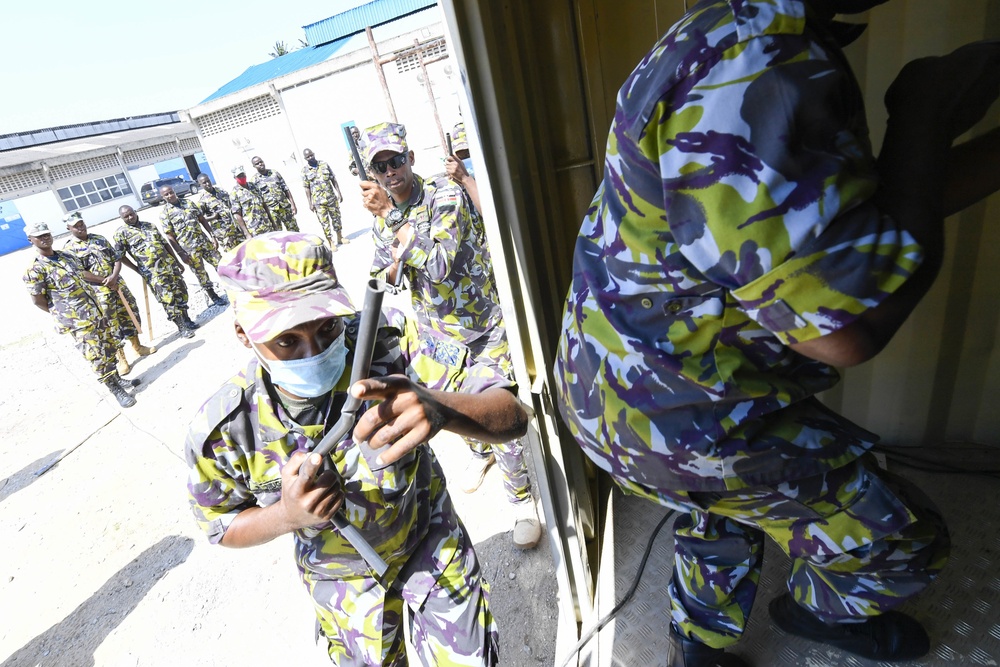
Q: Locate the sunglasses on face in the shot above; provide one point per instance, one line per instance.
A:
(395, 162)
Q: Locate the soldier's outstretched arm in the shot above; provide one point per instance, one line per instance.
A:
(409, 414)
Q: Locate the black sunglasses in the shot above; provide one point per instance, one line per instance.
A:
(395, 162)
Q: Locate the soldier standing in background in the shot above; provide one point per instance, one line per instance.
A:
(428, 229)
(99, 257)
(248, 206)
(57, 284)
(191, 237)
(156, 263)
(323, 193)
(216, 206)
(277, 196)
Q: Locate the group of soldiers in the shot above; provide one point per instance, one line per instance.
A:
(80, 285)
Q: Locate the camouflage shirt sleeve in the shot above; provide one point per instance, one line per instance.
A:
(774, 203)
(217, 479)
(34, 281)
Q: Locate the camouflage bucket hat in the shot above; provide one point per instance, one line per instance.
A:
(238, 169)
(382, 137)
(459, 141)
(72, 218)
(36, 229)
(279, 280)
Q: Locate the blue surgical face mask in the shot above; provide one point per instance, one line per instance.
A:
(468, 166)
(312, 376)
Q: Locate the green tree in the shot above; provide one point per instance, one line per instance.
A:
(280, 49)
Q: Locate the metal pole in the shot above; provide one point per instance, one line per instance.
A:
(430, 94)
(381, 74)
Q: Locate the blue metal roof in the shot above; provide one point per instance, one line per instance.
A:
(356, 20)
(286, 64)
(343, 32)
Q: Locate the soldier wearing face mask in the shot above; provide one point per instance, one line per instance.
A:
(246, 445)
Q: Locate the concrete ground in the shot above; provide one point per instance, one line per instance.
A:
(102, 563)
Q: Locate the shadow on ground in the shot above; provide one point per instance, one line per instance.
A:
(74, 640)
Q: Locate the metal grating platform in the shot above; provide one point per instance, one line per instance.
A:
(961, 610)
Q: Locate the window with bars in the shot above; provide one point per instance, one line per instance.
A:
(238, 115)
(97, 191)
(411, 61)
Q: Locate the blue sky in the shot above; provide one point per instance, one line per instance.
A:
(67, 61)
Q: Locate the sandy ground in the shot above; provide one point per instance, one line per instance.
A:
(101, 561)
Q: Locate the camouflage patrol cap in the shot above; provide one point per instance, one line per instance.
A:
(382, 137)
(72, 218)
(36, 229)
(238, 169)
(279, 280)
(459, 140)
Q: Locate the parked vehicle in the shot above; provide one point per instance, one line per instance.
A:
(150, 192)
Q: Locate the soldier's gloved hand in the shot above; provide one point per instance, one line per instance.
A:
(375, 199)
(308, 498)
(407, 416)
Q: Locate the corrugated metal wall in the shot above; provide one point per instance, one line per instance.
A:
(939, 379)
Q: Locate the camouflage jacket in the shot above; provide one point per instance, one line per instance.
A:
(446, 261)
(148, 248)
(224, 228)
(180, 220)
(272, 186)
(71, 300)
(319, 181)
(714, 242)
(249, 202)
(242, 437)
(96, 254)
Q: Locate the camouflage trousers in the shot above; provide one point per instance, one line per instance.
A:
(98, 347)
(441, 583)
(493, 350)
(329, 220)
(198, 258)
(861, 542)
(281, 215)
(122, 327)
(444, 364)
(171, 291)
(228, 234)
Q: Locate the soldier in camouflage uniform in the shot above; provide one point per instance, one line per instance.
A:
(153, 259)
(215, 205)
(191, 237)
(323, 193)
(743, 242)
(100, 258)
(248, 206)
(57, 284)
(247, 443)
(429, 231)
(277, 196)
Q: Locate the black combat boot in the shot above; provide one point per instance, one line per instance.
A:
(182, 328)
(188, 322)
(215, 299)
(126, 383)
(123, 397)
(689, 653)
(887, 637)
